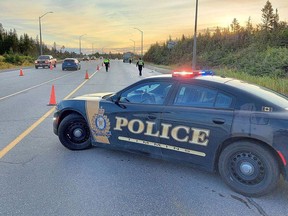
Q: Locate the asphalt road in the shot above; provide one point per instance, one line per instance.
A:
(38, 176)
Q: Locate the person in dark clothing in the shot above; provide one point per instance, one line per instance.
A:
(140, 65)
(107, 64)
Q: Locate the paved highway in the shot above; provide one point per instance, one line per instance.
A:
(38, 176)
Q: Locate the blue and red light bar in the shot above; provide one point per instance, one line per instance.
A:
(190, 74)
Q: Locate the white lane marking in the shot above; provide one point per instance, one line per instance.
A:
(19, 92)
(12, 144)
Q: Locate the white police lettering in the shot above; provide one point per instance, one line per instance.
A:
(120, 122)
(175, 130)
(149, 131)
(200, 136)
(192, 135)
(139, 125)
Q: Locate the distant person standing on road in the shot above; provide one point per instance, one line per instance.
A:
(107, 63)
(140, 65)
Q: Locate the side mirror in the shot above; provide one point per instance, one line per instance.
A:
(116, 99)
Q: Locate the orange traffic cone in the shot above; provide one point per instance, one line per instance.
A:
(86, 75)
(51, 67)
(21, 72)
(52, 101)
(97, 67)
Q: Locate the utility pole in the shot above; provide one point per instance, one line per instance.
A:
(141, 41)
(41, 51)
(195, 39)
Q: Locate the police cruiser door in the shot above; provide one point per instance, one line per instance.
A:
(194, 123)
(135, 120)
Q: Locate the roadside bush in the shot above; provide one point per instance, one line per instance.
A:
(18, 60)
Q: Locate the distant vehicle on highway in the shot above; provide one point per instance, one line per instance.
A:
(93, 58)
(86, 58)
(127, 57)
(45, 61)
(71, 64)
(215, 123)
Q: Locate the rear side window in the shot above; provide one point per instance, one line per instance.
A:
(198, 96)
(223, 101)
(69, 61)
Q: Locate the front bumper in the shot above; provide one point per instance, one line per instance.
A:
(42, 65)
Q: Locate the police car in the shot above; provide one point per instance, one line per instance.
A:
(216, 123)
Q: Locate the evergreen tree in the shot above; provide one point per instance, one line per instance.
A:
(235, 26)
(269, 19)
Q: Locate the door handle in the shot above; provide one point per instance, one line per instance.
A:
(151, 117)
(219, 121)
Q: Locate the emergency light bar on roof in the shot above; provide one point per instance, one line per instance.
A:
(190, 74)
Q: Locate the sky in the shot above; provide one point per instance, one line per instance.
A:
(109, 25)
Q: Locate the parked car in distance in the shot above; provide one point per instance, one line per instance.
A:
(45, 61)
(86, 58)
(93, 58)
(71, 64)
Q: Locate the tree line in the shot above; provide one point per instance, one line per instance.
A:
(17, 50)
(260, 50)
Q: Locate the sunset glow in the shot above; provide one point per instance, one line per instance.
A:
(109, 25)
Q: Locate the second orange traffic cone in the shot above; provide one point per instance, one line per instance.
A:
(86, 75)
(21, 72)
(51, 67)
(52, 101)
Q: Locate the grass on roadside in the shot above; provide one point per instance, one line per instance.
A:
(277, 84)
(5, 65)
(21, 61)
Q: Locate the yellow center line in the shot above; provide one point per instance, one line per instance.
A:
(12, 144)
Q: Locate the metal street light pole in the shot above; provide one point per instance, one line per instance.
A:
(195, 38)
(41, 52)
(134, 45)
(80, 43)
(141, 40)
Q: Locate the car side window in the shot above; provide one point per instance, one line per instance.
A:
(198, 96)
(223, 101)
(147, 93)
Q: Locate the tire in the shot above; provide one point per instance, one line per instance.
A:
(248, 168)
(36, 67)
(68, 128)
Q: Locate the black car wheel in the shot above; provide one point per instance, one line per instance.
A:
(249, 168)
(74, 132)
